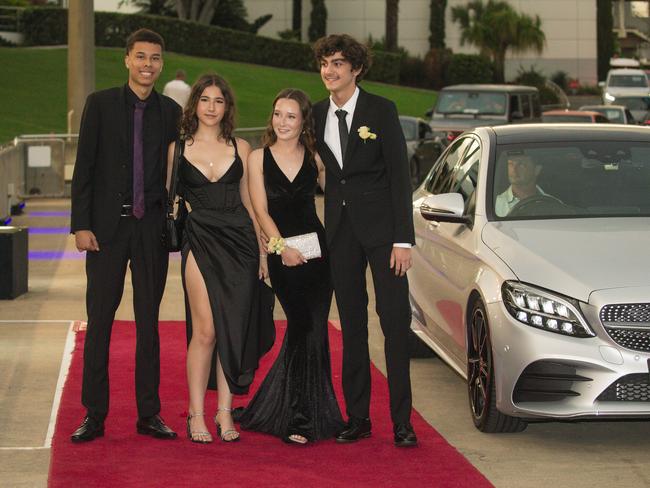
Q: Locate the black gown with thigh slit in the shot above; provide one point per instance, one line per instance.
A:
(297, 396)
(220, 235)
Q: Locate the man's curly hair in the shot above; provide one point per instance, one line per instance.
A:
(353, 51)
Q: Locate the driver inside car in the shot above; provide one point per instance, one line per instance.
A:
(523, 172)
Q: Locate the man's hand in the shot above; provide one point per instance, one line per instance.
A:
(400, 259)
(85, 240)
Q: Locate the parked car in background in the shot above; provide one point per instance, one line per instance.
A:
(617, 114)
(541, 302)
(423, 149)
(638, 106)
(624, 82)
(574, 116)
(463, 107)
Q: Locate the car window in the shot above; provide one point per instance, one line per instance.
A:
(408, 127)
(635, 103)
(525, 106)
(466, 175)
(601, 119)
(514, 103)
(629, 116)
(628, 81)
(537, 106)
(440, 179)
(571, 180)
(460, 102)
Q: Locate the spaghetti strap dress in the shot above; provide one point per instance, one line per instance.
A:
(220, 235)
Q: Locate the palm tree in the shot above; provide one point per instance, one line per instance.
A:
(392, 16)
(495, 27)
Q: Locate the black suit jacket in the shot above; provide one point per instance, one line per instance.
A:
(100, 171)
(374, 183)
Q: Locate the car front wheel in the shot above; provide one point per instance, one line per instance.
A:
(480, 378)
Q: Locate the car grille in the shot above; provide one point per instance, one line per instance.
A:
(630, 388)
(547, 381)
(628, 325)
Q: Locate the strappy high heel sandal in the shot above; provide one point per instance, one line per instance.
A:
(227, 435)
(200, 437)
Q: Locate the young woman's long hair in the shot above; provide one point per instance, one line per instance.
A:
(307, 134)
(190, 122)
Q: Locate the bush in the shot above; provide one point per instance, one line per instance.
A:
(412, 72)
(48, 26)
(436, 62)
(532, 77)
(561, 79)
(468, 68)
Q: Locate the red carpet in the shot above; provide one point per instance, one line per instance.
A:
(124, 459)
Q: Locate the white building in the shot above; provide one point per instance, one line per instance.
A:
(569, 25)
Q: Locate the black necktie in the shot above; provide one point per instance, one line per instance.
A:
(343, 132)
(138, 161)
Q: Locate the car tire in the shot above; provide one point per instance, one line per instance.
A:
(481, 386)
(414, 171)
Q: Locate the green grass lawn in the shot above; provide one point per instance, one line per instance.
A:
(33, 87)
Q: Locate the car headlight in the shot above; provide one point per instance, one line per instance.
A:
(544, 310)
(609, 97)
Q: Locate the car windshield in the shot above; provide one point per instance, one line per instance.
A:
(613, 114)
(481, 103)
(409, 128)
(571, 180)
(566, 118)
(628, 81)
(635, 103)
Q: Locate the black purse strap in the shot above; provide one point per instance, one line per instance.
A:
(178, 152)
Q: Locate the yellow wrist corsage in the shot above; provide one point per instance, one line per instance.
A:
(276, 245)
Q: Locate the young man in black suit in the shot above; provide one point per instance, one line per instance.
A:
(368, 220)
(118, 190)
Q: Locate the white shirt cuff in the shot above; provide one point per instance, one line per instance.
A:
(406, 245)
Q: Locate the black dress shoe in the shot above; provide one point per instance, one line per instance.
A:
(155, 427)
(405, 435)
(88, 430)
(355, 429)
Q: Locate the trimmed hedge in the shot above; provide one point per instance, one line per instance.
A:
(49, 26)
(468, 68)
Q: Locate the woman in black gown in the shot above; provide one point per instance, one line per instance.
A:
(296, 401)
(225, 298)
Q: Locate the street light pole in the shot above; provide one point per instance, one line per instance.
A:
(81, 58)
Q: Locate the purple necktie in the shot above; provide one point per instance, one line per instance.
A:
(138, 161)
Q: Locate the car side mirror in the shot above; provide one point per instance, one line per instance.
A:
(445, 207)
(601, 84)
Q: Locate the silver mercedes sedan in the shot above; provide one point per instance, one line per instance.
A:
(531, 272)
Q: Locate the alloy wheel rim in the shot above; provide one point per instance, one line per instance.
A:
(479, 365)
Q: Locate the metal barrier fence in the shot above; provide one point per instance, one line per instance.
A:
(41, 165)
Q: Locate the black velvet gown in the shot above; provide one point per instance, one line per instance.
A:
(220, 235)
(297, 396)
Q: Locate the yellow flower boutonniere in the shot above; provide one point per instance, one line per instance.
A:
(365, 134)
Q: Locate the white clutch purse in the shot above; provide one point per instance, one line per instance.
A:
(307, 244)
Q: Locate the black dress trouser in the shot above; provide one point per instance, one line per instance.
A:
(349, 260)
(137, 242)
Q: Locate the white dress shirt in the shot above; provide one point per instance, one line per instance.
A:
(507, 200)
(333, 139)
